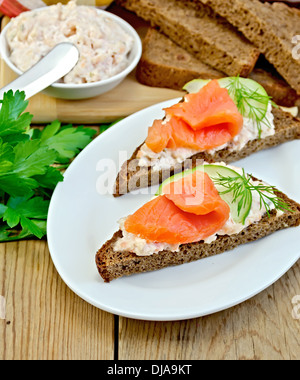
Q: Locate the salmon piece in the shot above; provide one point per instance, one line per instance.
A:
(194, 214)
(208, 120)
(159, 136)
(195, 193)
(177, 134)
(160, 220)
(211, 106)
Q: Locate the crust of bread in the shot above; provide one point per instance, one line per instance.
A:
(133, 177)
(199, 30)
(165, 64)
(112, 265)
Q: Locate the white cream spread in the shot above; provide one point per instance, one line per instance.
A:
(164, 159)
(132, 243)
(170, 157)
(103, 44)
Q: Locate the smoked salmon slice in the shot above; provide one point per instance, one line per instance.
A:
(204, 121)
(195, 193)
(211, 106)
(176, 134)
(194, 214)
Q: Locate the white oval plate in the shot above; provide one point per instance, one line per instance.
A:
(81, 220)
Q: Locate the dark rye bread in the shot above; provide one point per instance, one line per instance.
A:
(132, 177)
(165, 64)
(112, 265)
(279, 90)
(200, 31)
(270, 27)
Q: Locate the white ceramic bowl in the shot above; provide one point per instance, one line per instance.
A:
(86, 90)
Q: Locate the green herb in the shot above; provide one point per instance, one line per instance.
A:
(31, 161)
(240, 192)
(251, 103)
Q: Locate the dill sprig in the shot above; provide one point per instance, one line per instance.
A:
(242, 187)
(250, 103)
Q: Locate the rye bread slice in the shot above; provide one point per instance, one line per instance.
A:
(199, 30)
(165, 64)
(270, 27)
(112, 265)
(276, 87)
(133, 177)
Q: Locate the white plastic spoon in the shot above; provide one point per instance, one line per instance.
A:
(56, 64)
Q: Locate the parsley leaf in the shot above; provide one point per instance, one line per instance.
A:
(30, 163)
(67, 142)
(32, 159)
(25, 211)
(11, 120)
(49, 179)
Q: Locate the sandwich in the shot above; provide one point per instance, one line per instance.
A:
(220, 120)
(195, 214)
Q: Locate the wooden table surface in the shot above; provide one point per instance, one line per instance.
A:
(41, 318)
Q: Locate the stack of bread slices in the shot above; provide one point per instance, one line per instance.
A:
(210, 39)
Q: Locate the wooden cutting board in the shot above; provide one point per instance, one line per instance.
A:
(129, 97)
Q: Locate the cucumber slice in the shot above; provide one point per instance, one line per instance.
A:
(239, 212)
(250, 97)
(292, 110)
(195, 85)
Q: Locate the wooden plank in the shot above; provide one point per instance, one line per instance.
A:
(44, 318)
(260, 328)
